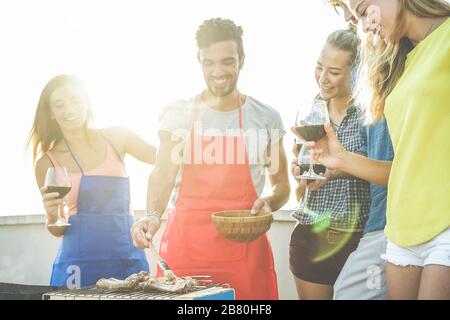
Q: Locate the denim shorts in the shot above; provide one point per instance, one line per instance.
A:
(435, 251)
(363, 276)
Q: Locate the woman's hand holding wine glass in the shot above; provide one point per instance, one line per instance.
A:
(309, 126)
(313, 185)
(57, 186)
(51, 203)
(327, 150)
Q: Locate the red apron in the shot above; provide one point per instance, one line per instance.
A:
(191, 245)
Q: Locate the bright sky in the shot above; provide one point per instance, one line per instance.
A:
(135, 56)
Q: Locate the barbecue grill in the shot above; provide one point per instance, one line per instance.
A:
(213, 292)
(15, 291)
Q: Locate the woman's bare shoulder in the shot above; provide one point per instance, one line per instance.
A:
(118, 136)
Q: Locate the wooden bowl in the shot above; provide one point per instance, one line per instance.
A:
(240, 225)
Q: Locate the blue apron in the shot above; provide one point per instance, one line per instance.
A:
(98, 243)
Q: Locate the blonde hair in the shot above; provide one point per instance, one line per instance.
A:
(346, 40)
(382, 66)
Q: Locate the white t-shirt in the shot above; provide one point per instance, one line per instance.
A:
(262, 127)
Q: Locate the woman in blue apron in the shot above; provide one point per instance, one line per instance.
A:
(97, 243)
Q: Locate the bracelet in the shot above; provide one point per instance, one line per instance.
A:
(153, 214)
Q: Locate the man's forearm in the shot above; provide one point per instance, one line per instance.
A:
(278, 177)
(162, 178)
(374, 171)
(159, 190)
(279, 196)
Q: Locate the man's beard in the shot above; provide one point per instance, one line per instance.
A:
(223, 91)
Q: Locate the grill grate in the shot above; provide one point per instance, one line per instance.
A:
(94, 293)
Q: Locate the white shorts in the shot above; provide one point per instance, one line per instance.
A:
(363, 276)
(435, 251)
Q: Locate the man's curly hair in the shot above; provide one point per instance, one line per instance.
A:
(216, 30)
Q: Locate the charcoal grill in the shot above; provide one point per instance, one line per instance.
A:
(213, 292)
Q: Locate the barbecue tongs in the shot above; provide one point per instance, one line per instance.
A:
(165, 267)
(161, 263)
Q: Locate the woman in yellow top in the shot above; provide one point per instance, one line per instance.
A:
(408, 73)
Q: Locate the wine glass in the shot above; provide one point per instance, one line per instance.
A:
(58, 180)
(310, 124)
(304, 161)
(298, 143)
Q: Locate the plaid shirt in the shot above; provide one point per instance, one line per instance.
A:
(341, 203)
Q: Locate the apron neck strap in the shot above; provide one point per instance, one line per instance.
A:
(53, 161)
(73, 156)
(107, 142)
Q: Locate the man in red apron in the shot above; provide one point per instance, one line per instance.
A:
(216, 174)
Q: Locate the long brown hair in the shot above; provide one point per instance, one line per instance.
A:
(45, 132)
(383, 65)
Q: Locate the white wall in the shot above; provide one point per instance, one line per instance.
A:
(27, 251)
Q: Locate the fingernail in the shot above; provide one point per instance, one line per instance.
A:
(253, 211)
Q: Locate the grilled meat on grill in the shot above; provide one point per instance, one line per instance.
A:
(179, 285)
(129, 284)
(146, 282)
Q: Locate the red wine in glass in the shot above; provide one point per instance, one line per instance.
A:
(310, 125)
(57, 180)
(311, 132)
(63, 191)
(318, 168)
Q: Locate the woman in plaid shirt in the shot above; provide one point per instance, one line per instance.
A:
(337, 210)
